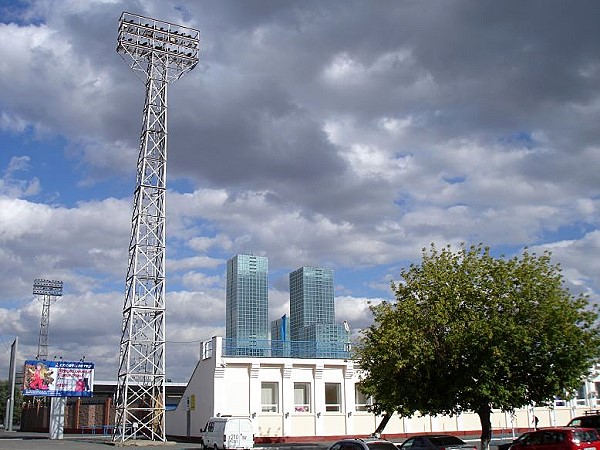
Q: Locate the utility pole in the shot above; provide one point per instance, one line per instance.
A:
(10, 402)
(163, 52)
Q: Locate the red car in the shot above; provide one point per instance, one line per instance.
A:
(560, 438)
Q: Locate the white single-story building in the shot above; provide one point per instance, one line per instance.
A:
(298, 399)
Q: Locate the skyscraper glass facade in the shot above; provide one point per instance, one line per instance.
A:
(311, 299)
(313, 330)
(280, 337)
(247, 301)
(322, 340)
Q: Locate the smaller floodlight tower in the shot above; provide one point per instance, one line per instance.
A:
(163, 52)
(47, 290)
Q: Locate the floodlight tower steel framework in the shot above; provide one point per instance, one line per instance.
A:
(47, 291)
(162, 52)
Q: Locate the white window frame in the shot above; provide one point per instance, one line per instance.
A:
(361, 401)
(269, 405)
(305, 405)
(336, 389)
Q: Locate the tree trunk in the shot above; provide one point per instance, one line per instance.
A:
(382, 424)
(484, 412)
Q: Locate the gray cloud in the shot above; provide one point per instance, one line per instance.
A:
(340, 133)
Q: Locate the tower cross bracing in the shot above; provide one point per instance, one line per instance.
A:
(48, 290)
(163, 52)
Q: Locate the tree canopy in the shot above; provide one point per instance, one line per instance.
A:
(471, 332)
(4, 395)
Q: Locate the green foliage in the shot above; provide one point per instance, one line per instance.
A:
(469, 331)
(4, 395)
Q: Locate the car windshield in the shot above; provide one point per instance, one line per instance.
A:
(381, 446)
(585, 435)
(444, 441)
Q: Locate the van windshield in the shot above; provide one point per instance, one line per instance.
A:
(585, 422)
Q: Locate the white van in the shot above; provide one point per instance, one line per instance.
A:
(227, 432)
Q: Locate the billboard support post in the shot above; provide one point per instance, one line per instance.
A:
(57, 417)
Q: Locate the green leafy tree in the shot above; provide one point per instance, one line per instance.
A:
(470, 332)
(4, 395)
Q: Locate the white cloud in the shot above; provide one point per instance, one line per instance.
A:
(12, 123)
(297, 136)
(344, 69)
(194, 262)
(395, 126)
(12, 186)
(355, 311)
(577, 258)
(19, 218)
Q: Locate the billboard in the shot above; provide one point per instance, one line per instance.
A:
(58, 378)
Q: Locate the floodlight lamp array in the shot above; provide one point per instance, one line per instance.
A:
(148, 40)
(47, 287)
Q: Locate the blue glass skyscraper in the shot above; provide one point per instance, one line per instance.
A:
(247, 303)
(313, 330)
(311, 299)
(280, 336)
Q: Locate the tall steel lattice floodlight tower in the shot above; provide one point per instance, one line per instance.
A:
(47, 291)
(163, 52)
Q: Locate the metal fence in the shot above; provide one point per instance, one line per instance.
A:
(266, 348)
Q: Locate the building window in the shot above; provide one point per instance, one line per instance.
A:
(361, 401)
(559, 402)
(333, 397)
(302, 397)
(581, 400)
(594, 397)
(269, 397)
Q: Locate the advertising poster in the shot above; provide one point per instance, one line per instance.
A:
(58, 378)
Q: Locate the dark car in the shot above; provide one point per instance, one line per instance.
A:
(363, 444)
(435, 442)
(589, 420)
(509, 444)
(560, 438)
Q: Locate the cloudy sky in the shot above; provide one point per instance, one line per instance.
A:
(340, 133)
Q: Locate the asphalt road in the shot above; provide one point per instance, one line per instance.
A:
(41, 441)
(16, 440)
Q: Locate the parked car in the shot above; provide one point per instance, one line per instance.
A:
(363, 444)
(436, 442)
(591, 419)
(509, 444)
(560, 438)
